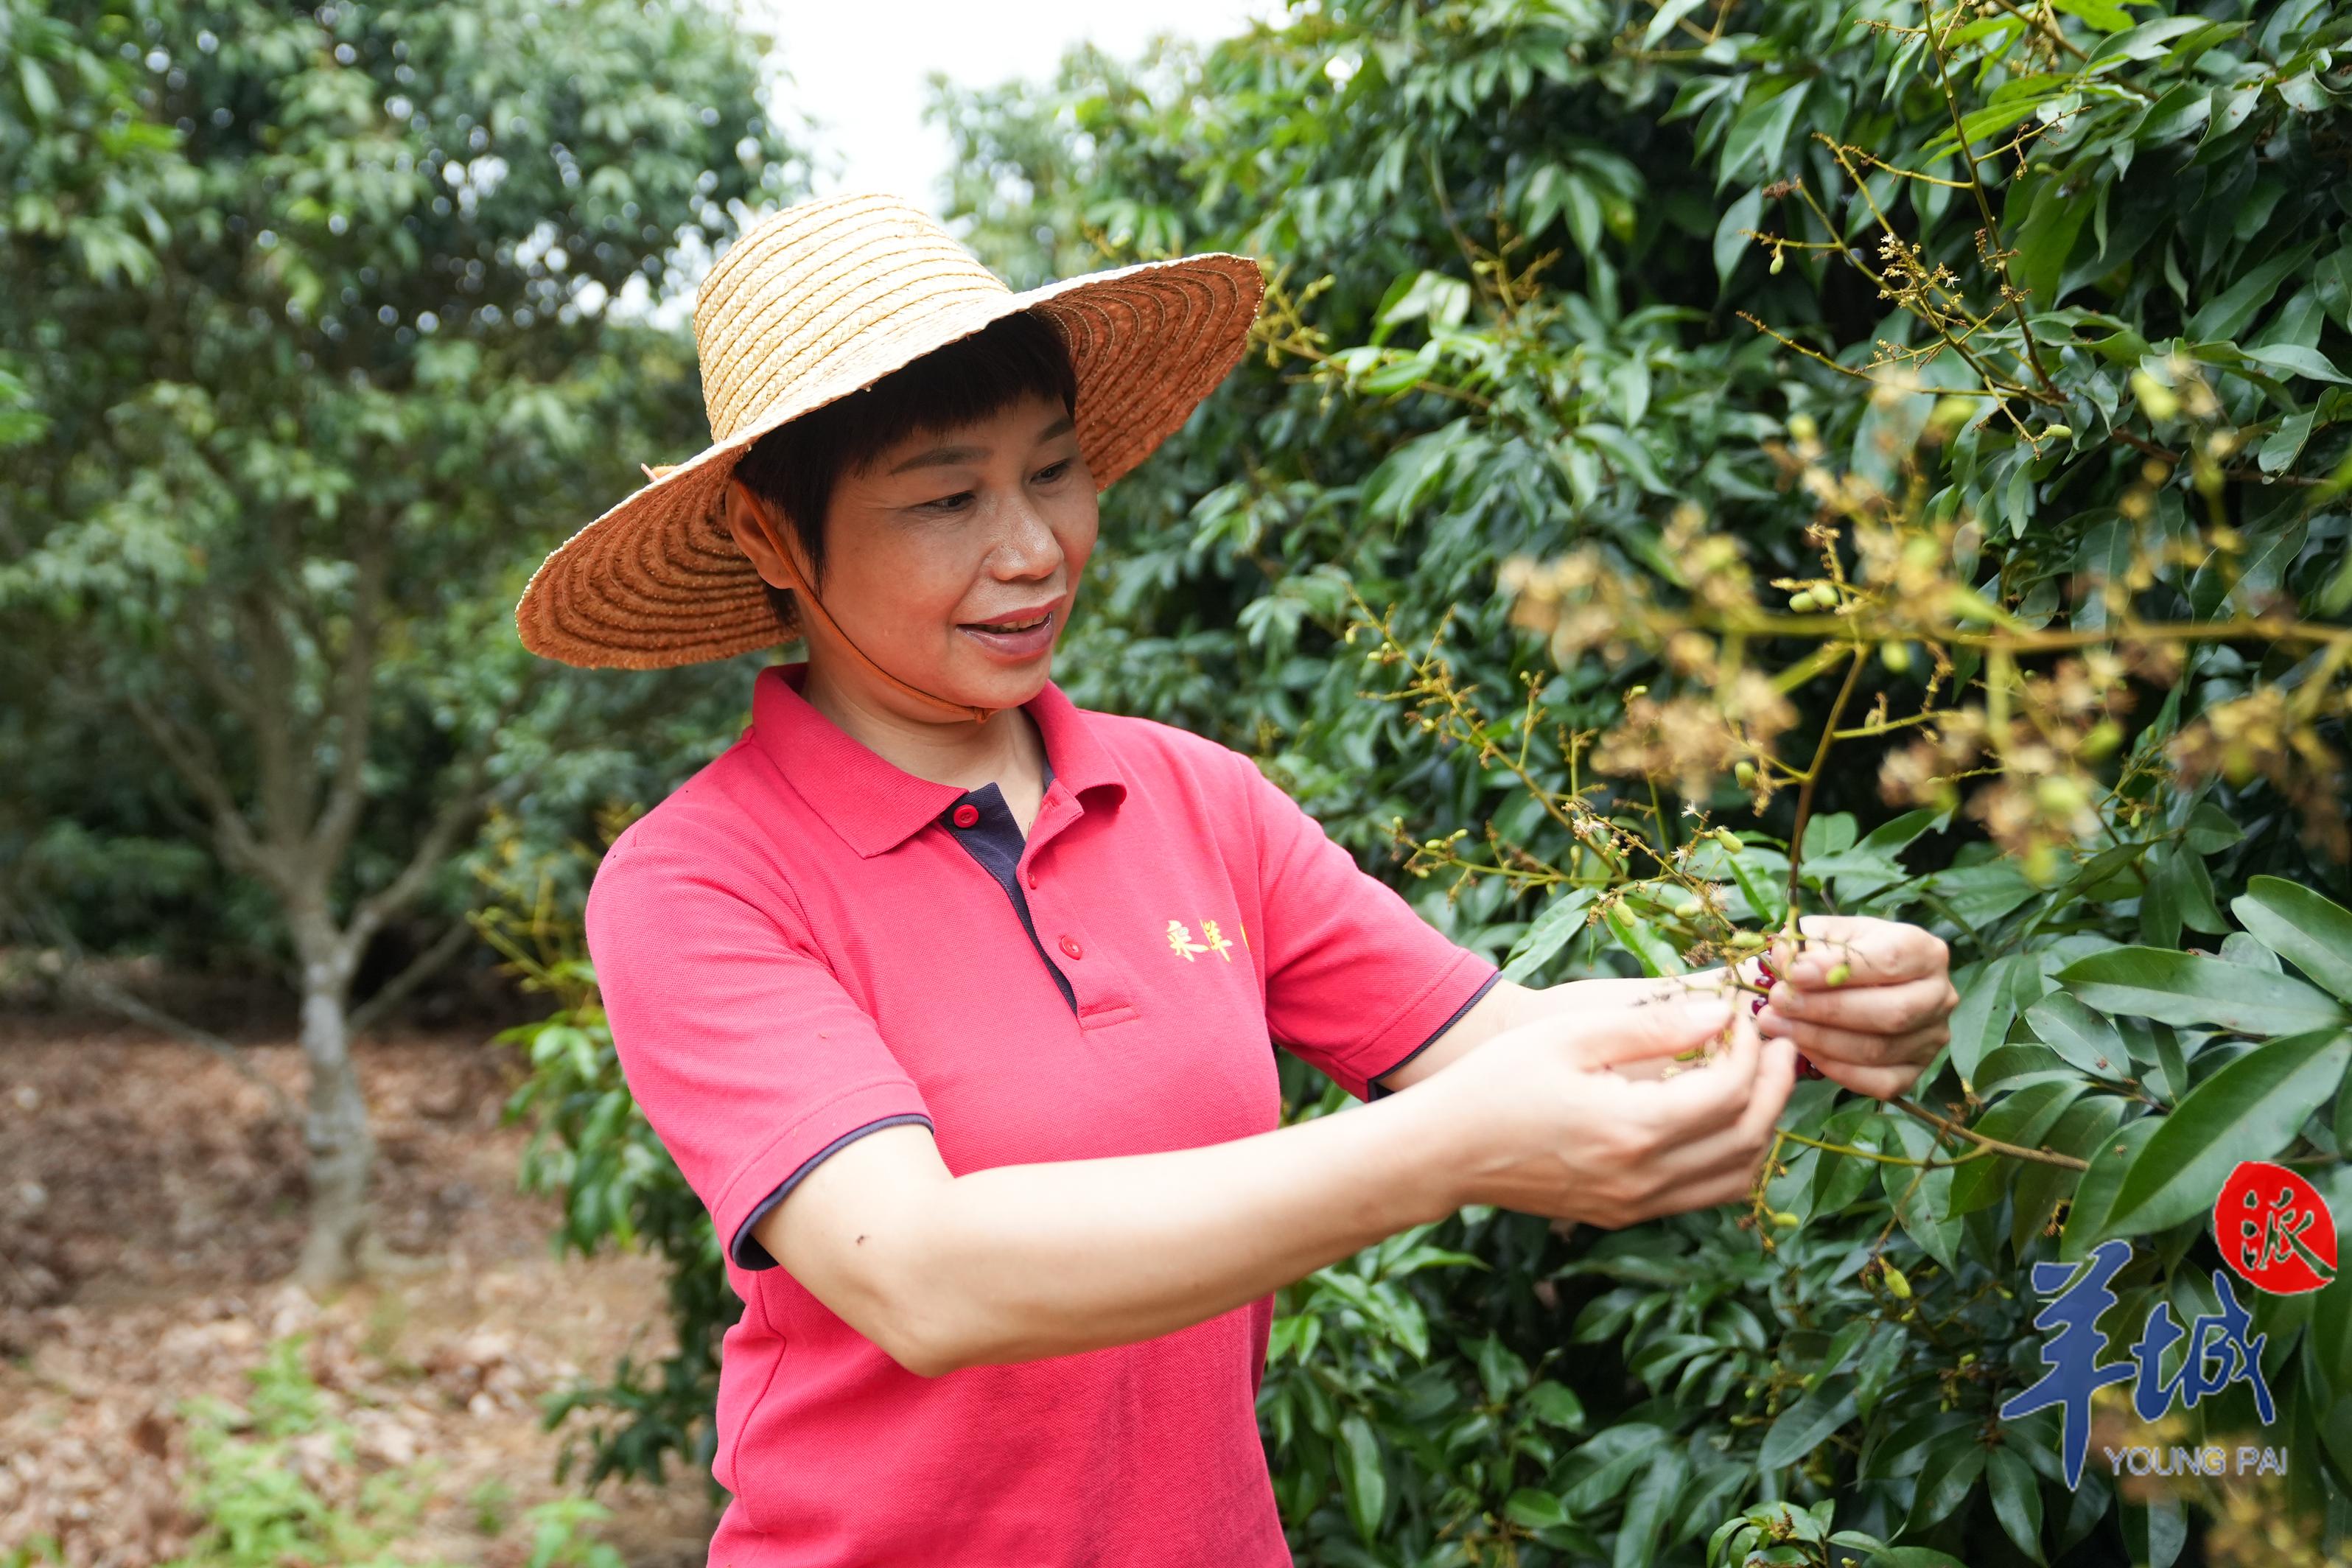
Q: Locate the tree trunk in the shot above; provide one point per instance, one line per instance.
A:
(341, 1147)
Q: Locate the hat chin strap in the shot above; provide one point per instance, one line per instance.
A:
(809, 604)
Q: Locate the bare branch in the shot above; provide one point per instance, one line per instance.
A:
(280, 762)
(81, 980)
(190, 755)
(459, 810)
(423, 967)
(354, 705)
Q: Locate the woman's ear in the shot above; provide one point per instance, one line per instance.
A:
(759, 534)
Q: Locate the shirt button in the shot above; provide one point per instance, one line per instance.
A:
(1032, 881)
(1070, 945)
(966, 815)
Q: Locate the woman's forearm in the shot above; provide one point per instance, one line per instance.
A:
(1021, 1262)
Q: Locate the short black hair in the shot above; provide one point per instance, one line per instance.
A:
(794, 466)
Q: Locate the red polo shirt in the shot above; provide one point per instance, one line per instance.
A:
(803, 943)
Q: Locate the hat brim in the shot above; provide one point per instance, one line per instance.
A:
(658, 582)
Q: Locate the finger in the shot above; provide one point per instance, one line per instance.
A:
(1729, 1177)
(1698, 1101)
(1879, 1083)
(1872, 951)
(1889, 1009)
(1740, 1148)
(1825, 1045)
(1652, 1026)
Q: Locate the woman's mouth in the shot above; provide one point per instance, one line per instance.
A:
(1024, 634)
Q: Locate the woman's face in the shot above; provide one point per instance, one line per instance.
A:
(953, 558)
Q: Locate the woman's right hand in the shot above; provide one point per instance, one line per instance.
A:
(1544, 1125)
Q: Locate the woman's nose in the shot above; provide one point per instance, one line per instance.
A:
(1026, 545)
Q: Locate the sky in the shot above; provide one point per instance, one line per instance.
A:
(859, 67)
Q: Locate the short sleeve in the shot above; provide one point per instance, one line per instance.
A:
(747, 1056)
(1357, 984)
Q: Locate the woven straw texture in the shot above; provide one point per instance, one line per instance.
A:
(811, 305)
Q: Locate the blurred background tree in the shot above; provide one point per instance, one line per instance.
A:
(323, 326)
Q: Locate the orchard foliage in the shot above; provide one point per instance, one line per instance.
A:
(1979, 364)
(1707, 462)
(313, 345)
(305, 355)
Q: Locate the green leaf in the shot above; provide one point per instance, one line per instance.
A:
(1913, 1557)
(1554, 929)
(1807, 1424)
(1955, 1460)
(2229, 313)
(2106, 16)
(2087, 1125)
(1669, 13)
(2211, 830)
(2016, 1500)
(1655, 954)
(1767, 896)
(1646, 1509)
(2079, 1035)
(2309, 363)
(1923, 1198)
(1987, 1003)
(2086, 1220)
(2311, 932)
(2023, 1119)
(1760, 135)
(1555, 1405)
(1731, 241)
(2250, 1110)
(1611, 1457)
(1535, 1510)
(2052, 222)
(2155, 1533)
(1363, 1484)
(2148, 41)
(2190, 988)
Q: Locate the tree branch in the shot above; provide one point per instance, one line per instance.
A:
(423, 967)
(190, 755)
(354, 711)
(458, 810)
(281, 762)
(79, 979)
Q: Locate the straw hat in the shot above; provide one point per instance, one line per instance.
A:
(811, 305)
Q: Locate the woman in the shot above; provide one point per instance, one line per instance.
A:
(954, 1001)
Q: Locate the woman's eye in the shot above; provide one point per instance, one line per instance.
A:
(1051, 471)
(955, 502)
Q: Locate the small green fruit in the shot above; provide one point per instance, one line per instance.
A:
(1839, 974)
(1746, 773)
(1895, 656)
(1897, 1285)
(1690, 908)
(1803, 602)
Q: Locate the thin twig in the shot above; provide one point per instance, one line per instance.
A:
(1993, 1145)
(1812, 778)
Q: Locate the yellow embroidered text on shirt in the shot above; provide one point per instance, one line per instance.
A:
(1180, 942)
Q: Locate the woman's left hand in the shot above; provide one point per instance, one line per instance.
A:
(1869, 1001)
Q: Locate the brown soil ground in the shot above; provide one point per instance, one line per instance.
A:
(150, 1206)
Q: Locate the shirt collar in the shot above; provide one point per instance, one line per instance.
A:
(877, 806)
